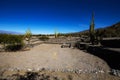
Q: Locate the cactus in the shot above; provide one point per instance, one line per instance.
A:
(28, 35)
(56, 34)
(92, 31)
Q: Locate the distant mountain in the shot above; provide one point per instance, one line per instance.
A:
(9, 32)
(115, 27)
(109, 31)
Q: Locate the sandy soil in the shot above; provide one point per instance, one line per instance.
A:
(53, 57)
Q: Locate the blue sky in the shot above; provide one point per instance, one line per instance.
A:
(46, 16)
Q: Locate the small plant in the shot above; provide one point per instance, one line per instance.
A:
(44, 38)
(14, 47)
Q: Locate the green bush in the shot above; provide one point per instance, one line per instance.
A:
(11, 42)
(3, 38)
(44, 38)
(14, 47)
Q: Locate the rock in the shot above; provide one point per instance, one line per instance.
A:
(115, 72)
(38, 69)
(101, 71)
(29, 69)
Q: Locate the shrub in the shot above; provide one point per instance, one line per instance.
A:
(14, 47)
(44, 38)
(11, 42)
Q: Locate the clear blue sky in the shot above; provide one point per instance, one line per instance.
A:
(46, 16)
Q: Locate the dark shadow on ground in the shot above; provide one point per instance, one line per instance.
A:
(110, 56)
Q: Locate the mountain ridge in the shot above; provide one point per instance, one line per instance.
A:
(9, 32)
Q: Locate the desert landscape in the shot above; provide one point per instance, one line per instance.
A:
(53, 61)
(52, 57)
(59, 40)
(58, 57)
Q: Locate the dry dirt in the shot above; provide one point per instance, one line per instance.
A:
(54, 58)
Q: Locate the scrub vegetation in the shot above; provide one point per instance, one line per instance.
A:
(11, 42)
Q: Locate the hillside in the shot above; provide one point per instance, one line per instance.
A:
(109, 31)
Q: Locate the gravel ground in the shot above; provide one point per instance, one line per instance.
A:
(53, 58)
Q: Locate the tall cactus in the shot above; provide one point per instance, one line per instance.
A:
(56, 34)
(92, 31)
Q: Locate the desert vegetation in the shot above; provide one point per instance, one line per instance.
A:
(44, 37)
(28, 36)
(62, 58)
(11, 42)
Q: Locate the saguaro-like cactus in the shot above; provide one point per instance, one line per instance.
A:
(92, 31)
